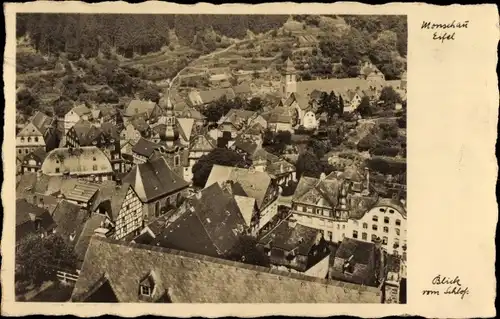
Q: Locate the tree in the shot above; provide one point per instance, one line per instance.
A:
(255, 104)
(247, 251)
(390, 97)
(26, 102)
(276, 143)
(309, 165)
(367, 143)
(365, 108)
(219, 156)
(36, 256)
(215, 110)
(151, 94)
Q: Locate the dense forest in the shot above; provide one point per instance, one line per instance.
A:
(132, 33)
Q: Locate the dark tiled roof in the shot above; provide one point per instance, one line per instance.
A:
(41, 121)
(288, 238)
(40, 153)
(70, 219)
(154, 179)
(359, 205)
(200, 279)
(140, 124)
(187, 234)
(311, 190)
(145, 147)
(137, 107)
(90, 226)
(362, 251)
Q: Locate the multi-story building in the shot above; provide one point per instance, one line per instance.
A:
(75, 115)
(252, 184)
(157, 186)
(39, 132)
(89, 163)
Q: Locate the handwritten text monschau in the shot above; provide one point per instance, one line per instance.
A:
(445, 31)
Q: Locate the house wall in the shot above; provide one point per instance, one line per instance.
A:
(130, 217)
(386, 228)
(333, 224)
(27, 144)
(268, 213)
(319, 270)
(129, 133)
(150, 209)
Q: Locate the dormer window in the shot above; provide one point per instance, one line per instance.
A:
(146, 291)
(147, 286)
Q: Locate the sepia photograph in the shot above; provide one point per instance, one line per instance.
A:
(211, 158)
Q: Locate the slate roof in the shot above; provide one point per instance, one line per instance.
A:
(82, 129)
(40, 153)
(137, 107)
(140, 124)
(284, 237)
(194, 278)
(361, 250)
(215, 94)
(237, 117)
(27, 212)
(214, 214)
(254, 183)
(360, 205)
(145, 147)
(311, 190)
(154, 179)
(41, 121)
(393, 203)
(110, 199)
(93, 223)
(246, 144)
(246, 206)
(70, 219)
(82, 192)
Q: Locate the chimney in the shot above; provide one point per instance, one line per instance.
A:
(281, 168)
(101, 232)
(322, 176)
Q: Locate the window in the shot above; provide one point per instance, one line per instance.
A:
(395, 253)
(330, 235)
(364, 236)
(26, 151)
(29, 139)
(338, 226)
(36, 139)
(374, 237)
(391, 211)
(177, 160)
(22, 139)
(386, 220)
(384, 240)
(57, 170)
(375, 218)
(20, 151)
(145, 290)
(94, 167)
(398, 222)
(397, 231)
(382, 210)
(374, 227)
(355, 222)
(94, 159)
(343, 226)
(157, 209)
(365, 225)
(386, 229)
(354, 234)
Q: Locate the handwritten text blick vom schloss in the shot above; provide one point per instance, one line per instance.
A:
(445, 31)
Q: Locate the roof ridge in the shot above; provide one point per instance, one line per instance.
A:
(236, 264)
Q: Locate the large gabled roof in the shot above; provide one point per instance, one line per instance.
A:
(192, 278)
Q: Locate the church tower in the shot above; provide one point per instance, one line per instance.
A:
(170, 122)
(288, 79)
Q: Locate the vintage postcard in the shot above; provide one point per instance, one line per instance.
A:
(272, 159)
